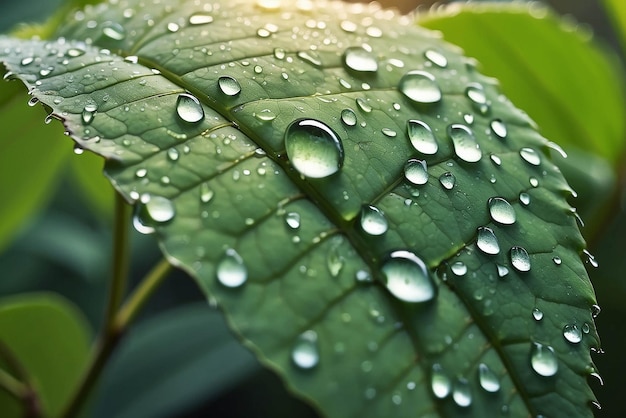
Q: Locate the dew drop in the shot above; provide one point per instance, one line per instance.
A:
(585, 328)
(305, 353)
(89, 113)
(537, 314)
(533, 182)
(200, 19)
(487, 241)
(310, 57)
(476, 93)
(502, 270)
(231, 270)
(334, 262)
(488, 379)
(439, 382)
(530, 156)
(113, 30)
(422, 137)
(447, 180)
(173, 154)
(420, 87)
(314, 149)
(416, 171)
(543, 360)
(229, 85)
(189, 109)
(495, 159)
(348, 117)
(372, 220)
(173, 27)
(436, 58)
(572, 333)
(498, 128)
(557, 260)
(459, 268)
(360, 60)
(363, 105)
(388, 132)
(501, 211)
(363, 276)
(206, 194)
(595, 311)
(292, 219)
(462, 394)
(520, 259)
(524, 198)
(465, 145)
(407, 277)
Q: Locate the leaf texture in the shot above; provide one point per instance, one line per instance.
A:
(282, 155)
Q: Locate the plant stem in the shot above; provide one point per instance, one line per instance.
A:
(19, 384)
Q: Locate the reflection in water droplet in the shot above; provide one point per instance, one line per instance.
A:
(530, 156)
(292, 219)
(313, 148)
(489, 381)
(420, 87)
(359, 59)
(537, 314)
(465, 145)
(422, 137)
(372, 220)
(462, 394)
(416, 171)
(501, 211)
(113, 31)
(189, 109)
(305, 352)
(229, 85)
(348, 117)
(572, 333)
(487, 241)
(439, 382)
(436, 58)
(407, 277)
(89, 113)
(543, 360)
(231, 270)
(520, 259)
(498, 128)
(447, 180)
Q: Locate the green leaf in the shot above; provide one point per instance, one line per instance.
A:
(50, 339)
(253, 140)
(87, 173)
(617, 12)
(178, 358)
(549, 67)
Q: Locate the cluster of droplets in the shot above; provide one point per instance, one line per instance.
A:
(459, 389)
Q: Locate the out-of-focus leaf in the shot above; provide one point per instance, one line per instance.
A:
(86, 170)
(50, 339)
(616, 9)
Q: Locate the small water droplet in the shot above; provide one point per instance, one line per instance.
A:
(360, 60)
(348, 117)
(502, 270)
(496, 160)
(524, 198)
(530, 156)
(572, 333)
(89, 113)
(420, 87)
(173, 27)
(313, 148)
(372, 220)
(476, 93)
(557, 260)
(151, 211)
(416, 171)
(468, 118)
(436, 58)
(537, 314)
(189, 109)
(487, 241)
(407, 277)
(229, 85)
(334, 261)
(78, 150)
(533, 182)
(27, 61)
(206, 194)
(520, 259)
(465, 145)
(363, 276)
(498, 128)
(389, 132)
(422, 137)
(447, 180)
(488, 379)
(305, 352)
(439, 382)
(459, 268)
(501, 211)
(363, 105)
(310, 57)
(113, 30)
(33, 101)
(543, 360)
(231, 270)
(585, 328)
(462, 394)
(200, 19)
(292, 219)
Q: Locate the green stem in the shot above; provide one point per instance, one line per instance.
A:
(20, 387)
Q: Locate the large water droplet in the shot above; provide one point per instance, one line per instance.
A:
(498, 128)
(422, 137)
(420, 87)
(462, 394)
(489, 381)
(231, 270)
(229, 85)
(305, 352)
(530, 156)
(501, 211)
(520, 259)
(465, 145)
(407, 277)
(189, 109)
(572, 333)
(447, 180)
(314, 149)
(152, 211)
(543, 360)
(416, 171)
(89, 112)
(348, 117)
(113, 31)
(439, 382)
(487, 241)
(372, 220)
(359, 59)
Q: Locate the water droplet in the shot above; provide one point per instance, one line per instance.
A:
(447, 180)
(389, 132)
(348, 117)
(459, 268)
(436, 58)
(359, 59)
(416, 171)
(33, 101)
(173, 27)
(537, 314)
(502, 270)
(314, 149)
(439, 382)
(151, 211)
(420, 87)
(231, 270)
(572, 333)
(334, 261)
(488, 379)
(501, 211)
(372, 220)
(495, 159)
(292, 219)
(141, 173)
(310, 57)
(543, 360)
(206, 194)
(228, 85)
(407, 277)
(200, 19)
(520, 259)
(89, 112)
(462, 394)
(465, 145)
(533, 182)
(27, 61)
(589, 258)
(557, 260)
(476, 93)
(305, 352)
(524, 198)
(468, 118)
(189, 109)
(487, 241)
(586, 328)
(363, 276)
(113, 30)
(498, 128)
(363, 105)
(422, 137)
(530, 156)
